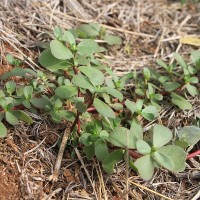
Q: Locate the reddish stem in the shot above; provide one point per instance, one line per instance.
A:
(192, 155)
(91, 110)
(134, 154)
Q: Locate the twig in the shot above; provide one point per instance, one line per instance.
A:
(196, 197)
(54, 176)
(85, 169)
(149, 190)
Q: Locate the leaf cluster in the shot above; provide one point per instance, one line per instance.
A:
(76, 87)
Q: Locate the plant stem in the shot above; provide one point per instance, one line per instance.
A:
(192, 155)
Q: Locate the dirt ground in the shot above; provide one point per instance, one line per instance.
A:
(150, 30)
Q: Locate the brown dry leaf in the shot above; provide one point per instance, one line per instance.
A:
(68, 175)
(190, 40)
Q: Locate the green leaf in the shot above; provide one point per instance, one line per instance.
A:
(3, 130)
(143, 147)
(163, 160)
(112, 39)
(81, 60)
(104, 134)
(150, 113)
(85, 139)
(10, 59)
(48, 61)
(158, 97)
(60, 51)
(181, 144)
(82, 82)
(176, 154)
(131, 106)
(116, 106)
(139, 104)
(91, 30)
(189, 134)
(171, 86)
(27, 104)
(192, 90)
(101, 150)
(17, 71)
(193, 79)
(192, 70)
(161, 135)
(162, 64)
(95, 76)
(164, 79)
(88, 47)
(89, 151)
(39, 102)
(182, 103)
(25, 117)
(195, 56)
(66, 91)
(113, 92)
(180, 60)
(10, 87)
(68, 37)
(80, 105)
(122, 137)
(58, 32)
(28, 91)
(147, 73)
(67, 115)
(11, 117)
(103, 108)
(136, 128)
(111, 159)
(145, 167)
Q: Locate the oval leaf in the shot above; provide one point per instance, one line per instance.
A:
(176, 154)
(66, 91)
(60, 51)
(122, 137)
(143, 147)
(88, 47)
(163, 160)
(171, 86)
(103, 108)
(150, 113)
(189, 134)
(145, 167)
(48, 61)
(136, 128)
(161, 135)
(101, 150)
(179, 101)
(3, 130)
(192, 90)
(95, 76)
(115, 93)
(131, 106)
(111, 159)
(11, 118)
(82, 82)
(25, 117)
(113, 40)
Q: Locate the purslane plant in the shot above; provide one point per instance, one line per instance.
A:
(78, 88)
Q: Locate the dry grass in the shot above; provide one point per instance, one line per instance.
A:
(150, 30)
